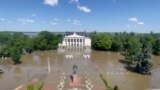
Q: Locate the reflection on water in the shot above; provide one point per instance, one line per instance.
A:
(75, 50)
(35, 65)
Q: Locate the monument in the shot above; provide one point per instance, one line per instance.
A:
(75, 78)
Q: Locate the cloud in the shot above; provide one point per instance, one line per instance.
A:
(74, 1)
(84, 9)
(136, 20)
(141, 23)
(2, 19)
(53, 23)
(68, 20)
(76, 22)
(51, 2)
(81, 7)
(26, 21)
(133, 19)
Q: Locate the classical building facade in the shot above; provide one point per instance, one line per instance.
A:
(74, 39)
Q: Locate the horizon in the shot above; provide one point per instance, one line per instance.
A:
(139, 16)
(81, 31)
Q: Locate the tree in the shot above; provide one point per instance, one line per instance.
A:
(133, 48)
(4, 37)
(117, 44)
(101, 41)
(156, 47)
(18, 40)
(15, 55)
(143, 63)
(46, 41)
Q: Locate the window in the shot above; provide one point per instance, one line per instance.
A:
(80, 40)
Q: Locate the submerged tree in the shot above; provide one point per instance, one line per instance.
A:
(117, 44)
(47, 41)
(101, 41)
(143, 63)
(133, 48)
(156, 47)
(139, 55)
(15, 55)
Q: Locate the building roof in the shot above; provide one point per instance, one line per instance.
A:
(78, 33)
(74, 35)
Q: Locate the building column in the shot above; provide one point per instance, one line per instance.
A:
(69, 42)
(66, 41)
(78, 42)
(82, 42)
(75, 41)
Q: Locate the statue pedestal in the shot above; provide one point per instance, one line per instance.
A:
(75, 81)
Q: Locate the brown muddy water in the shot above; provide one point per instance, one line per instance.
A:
(35, 65)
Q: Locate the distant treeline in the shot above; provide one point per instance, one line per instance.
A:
(14, 44)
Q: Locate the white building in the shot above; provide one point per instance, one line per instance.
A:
(75, 40)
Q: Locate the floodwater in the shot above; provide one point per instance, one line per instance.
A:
(35, 66)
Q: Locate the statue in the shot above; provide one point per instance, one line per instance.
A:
(75, 68)
(75, 79)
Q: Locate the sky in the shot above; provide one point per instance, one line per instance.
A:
(141, 16)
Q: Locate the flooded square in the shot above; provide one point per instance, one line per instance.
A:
(35, 67)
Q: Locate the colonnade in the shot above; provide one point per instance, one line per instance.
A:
(74, 41)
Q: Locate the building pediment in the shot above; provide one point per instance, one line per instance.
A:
(74, 35)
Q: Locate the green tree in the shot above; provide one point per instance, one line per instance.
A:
(4, 37)
(133, 48)
(156, 47)
(147, 42)
(143, 62)
(18, 40)
(47, 40)
(101, 41)
(117, 44)
(15, 55)
(140, 55)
